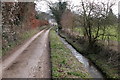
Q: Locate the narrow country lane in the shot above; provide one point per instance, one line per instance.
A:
(33, 62)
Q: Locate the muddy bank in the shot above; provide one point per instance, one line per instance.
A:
(87, 64)
(98, 60)
(71, 42)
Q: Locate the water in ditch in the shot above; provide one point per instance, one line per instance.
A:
(91, 68)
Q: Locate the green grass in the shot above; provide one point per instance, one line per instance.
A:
(79, 30)
(105, 67)
(22, 37)
(112, 30)
(64, 64)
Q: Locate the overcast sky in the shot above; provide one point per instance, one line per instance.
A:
(42, 5)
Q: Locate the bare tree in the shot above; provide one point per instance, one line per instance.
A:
(94, 16)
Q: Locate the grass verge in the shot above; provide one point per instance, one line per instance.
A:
(22, 37)
(64, 64)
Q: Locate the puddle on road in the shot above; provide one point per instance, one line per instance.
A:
(91, 69)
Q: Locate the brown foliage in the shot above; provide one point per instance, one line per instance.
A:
(67, 19)
(17, 18)
(36, 23)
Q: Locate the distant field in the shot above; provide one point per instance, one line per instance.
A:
(112, 30)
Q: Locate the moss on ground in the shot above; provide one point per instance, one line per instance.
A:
(64, 64)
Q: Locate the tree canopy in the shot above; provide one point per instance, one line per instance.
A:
(57, 10)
